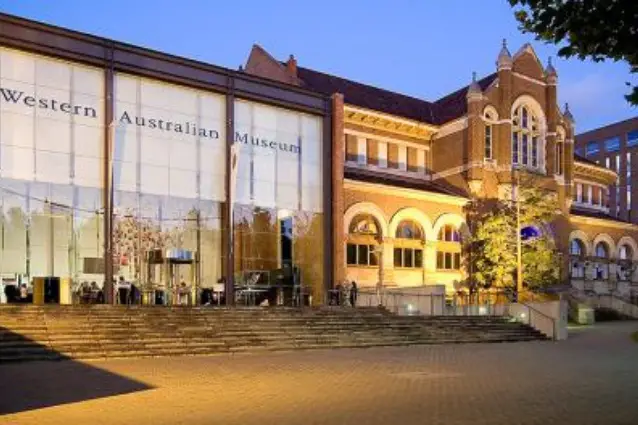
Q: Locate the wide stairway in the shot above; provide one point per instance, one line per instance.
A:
(99, 332)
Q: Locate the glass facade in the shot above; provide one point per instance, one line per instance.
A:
(51, 151)
(168, 180)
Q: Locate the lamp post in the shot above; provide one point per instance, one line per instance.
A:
(519, 248)
(379, 250)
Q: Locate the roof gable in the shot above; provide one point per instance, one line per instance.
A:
(526, 62)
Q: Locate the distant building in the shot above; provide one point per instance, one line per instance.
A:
(615, 146)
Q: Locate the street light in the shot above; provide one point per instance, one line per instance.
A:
(519, 249)
(379, 250)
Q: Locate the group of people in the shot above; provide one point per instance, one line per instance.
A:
(15, 294)
(345, 293)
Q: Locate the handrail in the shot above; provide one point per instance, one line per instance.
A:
(547, 316)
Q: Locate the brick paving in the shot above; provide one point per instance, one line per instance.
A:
(590, 379)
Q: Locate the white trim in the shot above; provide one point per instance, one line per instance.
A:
(418, 124)
(362, 150)
(451, 128)
(411, 213)
(393, 171)
(403, 158)
(530, 79)
(602, 222)
(584, 238)
(404, 193)
(383, 154)
(604, 237)
(447, 218)
(399, 142)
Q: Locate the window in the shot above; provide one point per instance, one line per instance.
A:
(629, 198)
(632, 138)
(449, 233)
(408, 250)
(362, 255)
(608, 163)
(625, 255)
(363, 243)
(579, 192)
(628, 166)
(448, 256)
(601, 267)
(448, 260)
(577, 252)
(580, 151)
(488, 141)
(408, 257)
(576, 248)
(592, 148)
(618, 165)
(409, 229)
(525, 138)
(559, 158)
(612, 144)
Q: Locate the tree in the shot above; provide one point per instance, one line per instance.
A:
(490, 247)
(592, 29)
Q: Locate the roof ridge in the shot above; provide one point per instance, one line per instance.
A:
(364, 84)
(464, 88)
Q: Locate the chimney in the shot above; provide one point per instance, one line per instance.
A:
(291, 65)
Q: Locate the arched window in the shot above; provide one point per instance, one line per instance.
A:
(448, 255)
(408, 245)
(577, 252)
(601, 266)
(559, 154)
(625, 253)
(576, 248)
(363, 241)
(625, 266)
(525, 138)
(489, 118)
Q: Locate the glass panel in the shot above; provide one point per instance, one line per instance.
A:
(612, 144)
(457, 261)
(448, 261)
(515, 148)
(408, 258)
(374, 256)
(364, 254)
(398, 257)
(524, 149)
(439, 260)
(418, 258)
(351, 254)
(534, 151)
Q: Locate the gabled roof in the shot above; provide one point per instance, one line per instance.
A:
(443, 110)
(368, 97)
(454, 105)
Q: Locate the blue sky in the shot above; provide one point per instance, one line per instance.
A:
(422, 48)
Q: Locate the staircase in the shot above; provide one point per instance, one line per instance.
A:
(30, 332)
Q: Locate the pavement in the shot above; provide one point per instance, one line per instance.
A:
(592, 378)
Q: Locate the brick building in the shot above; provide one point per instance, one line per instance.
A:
(404, 168)
(615, 146)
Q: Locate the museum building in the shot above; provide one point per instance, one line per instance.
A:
(405, 168)
(119, 163)
(122, 164)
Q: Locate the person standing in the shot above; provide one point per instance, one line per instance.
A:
(353, 294)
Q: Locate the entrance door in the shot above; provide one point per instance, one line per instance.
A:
(285, 242)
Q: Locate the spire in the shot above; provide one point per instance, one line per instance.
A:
(504, 57)
(567, 114)
(550, 70)
(474, 90)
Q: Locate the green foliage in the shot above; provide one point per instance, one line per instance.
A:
(586, 29)
(541, 265)
(490, 247)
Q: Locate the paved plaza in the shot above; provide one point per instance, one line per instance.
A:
(590, 379)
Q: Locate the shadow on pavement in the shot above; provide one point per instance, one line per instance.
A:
(28, 385)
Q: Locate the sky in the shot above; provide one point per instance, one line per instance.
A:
(425, 48)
